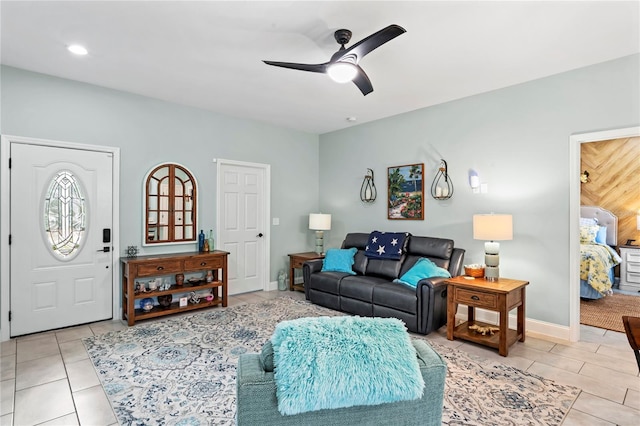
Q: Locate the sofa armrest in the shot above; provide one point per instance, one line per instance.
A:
(255, 391)
(432, 304)
(310, 267)
(456, 262)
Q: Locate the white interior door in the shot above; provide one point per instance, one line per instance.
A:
(60, 252)
(241, 215)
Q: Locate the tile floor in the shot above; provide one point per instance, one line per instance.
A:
(47, 378)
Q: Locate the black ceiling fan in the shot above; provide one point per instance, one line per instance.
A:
(343, 65)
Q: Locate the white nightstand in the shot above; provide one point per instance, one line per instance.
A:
(630, 268)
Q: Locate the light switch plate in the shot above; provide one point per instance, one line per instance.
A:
(275, 221)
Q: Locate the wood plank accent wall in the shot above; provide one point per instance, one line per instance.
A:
(614, 174)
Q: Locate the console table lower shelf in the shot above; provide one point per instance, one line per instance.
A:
(175, 307)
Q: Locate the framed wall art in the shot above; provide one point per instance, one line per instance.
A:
(406, 192)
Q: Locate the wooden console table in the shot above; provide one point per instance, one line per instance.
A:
(296, 260)
(171, 264)
(501, 296)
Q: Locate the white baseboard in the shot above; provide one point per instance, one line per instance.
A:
(533, 328)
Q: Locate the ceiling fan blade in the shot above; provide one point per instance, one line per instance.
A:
(375, 40)
(362, 81)
(321, 68)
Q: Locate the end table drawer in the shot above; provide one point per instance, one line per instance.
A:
(160, 267)
(204, 262)
(476, 298)
(633, 256)
(297, 262)
(633, 277)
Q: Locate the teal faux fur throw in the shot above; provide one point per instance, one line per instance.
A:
(333, 362)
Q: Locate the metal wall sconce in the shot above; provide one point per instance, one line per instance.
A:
(584, 177)
(442, 187)
(368, 191)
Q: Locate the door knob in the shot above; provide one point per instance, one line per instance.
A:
(105, 249)
(260, 235)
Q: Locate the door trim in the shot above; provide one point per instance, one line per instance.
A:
(5, 224)
(574, 216)
(266, 206)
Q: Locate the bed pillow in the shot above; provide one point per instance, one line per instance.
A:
(601, 235)
(588, 234)
(423, 268)
(588, 221)
(339, 260)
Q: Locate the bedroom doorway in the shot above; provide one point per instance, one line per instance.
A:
(575, 168)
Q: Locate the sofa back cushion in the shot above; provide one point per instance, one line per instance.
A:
(385, 268)
(359, 241)
(438, 250)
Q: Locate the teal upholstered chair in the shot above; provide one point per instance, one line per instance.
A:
(257, 403)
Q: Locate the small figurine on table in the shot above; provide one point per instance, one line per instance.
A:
(484, 330)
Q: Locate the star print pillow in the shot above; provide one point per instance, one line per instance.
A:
(386, 245)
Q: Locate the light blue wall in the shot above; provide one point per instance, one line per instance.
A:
(149, 131)
(517, 139)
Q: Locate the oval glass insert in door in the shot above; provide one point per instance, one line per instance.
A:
(65, 213)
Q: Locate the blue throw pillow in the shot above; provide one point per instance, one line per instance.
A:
(385, 245)
(339, 260)
(601, 236)
(423, 268)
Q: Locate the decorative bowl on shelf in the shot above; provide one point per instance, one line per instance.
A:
(146, 304)
(193, 280)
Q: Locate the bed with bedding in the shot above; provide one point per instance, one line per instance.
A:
(598, 237)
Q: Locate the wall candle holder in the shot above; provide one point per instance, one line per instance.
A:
(368, 191)
(442, 187)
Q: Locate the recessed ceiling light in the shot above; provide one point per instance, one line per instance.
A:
(351, 119)
(77, 49)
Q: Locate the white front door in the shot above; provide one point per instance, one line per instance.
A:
(241, 218)
(61, 223)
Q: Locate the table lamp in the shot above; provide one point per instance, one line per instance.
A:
(492, 227)
(319, 222)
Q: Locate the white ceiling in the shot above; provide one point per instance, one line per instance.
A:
(208, 54)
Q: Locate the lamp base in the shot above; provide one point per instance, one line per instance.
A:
(491, 260)
(320, 242)
(491, 273)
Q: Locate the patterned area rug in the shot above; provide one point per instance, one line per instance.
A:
(181, 371)
(607, 312)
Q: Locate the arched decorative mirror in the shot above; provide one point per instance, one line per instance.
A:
(170, 205)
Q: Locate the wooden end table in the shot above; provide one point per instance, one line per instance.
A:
(296, 260)
(501, 296)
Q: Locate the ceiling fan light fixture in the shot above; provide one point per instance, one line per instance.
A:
(342, 72)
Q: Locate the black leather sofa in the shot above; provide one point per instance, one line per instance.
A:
(372, 292)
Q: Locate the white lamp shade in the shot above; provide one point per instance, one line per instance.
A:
(492, 227)
(638, 222)
(319, 221)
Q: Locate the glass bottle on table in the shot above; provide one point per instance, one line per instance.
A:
(211, 242)
(201, 241)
